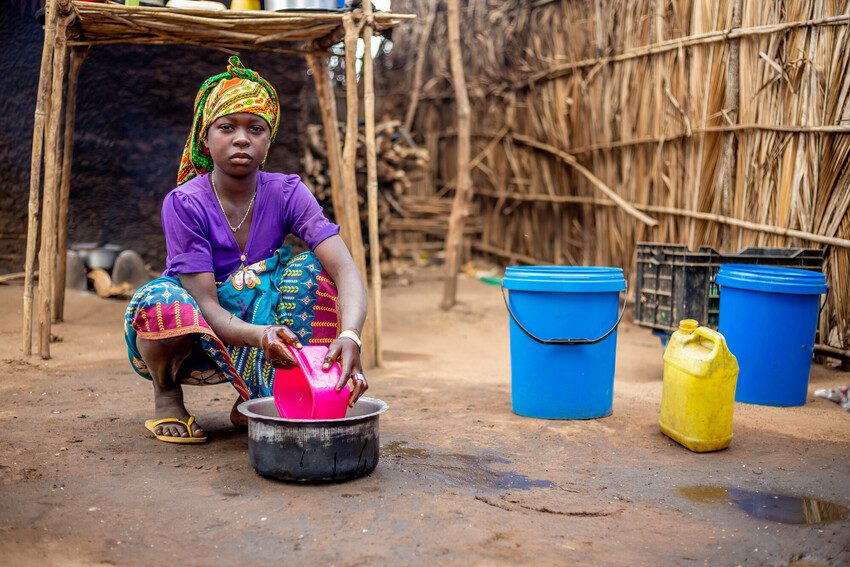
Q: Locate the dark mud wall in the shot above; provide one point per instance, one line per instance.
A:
(134, 107)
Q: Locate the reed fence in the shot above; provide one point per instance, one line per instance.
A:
(601, 123)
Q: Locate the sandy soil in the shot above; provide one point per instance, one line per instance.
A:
(461, 480)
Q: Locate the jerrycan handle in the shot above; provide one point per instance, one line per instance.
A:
(572, 342)
(711, 336)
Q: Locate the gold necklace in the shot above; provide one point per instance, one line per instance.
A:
(251, 204)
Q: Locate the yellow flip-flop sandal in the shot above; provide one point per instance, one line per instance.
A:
(152, 424)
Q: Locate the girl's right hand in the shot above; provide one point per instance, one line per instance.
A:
(274, 341)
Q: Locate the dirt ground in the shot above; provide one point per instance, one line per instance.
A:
(461, 479)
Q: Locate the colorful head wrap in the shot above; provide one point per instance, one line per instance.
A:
(237, 90)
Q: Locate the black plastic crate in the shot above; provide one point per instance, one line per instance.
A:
(673, 283)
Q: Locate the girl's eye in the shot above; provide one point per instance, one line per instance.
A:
(257, 129)
(225, 127)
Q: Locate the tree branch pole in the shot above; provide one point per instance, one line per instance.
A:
(463, 192)
(330, 125)
(47, 253)
(685, 213)
(78, 55)
(595, 181)
(44, 81)
(729, 157)
(349, 174)
(421, 55)
(372, 178)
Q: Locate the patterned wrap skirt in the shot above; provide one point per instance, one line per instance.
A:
(281, 290)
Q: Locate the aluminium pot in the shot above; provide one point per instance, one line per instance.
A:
(306, 450)
(285, 5)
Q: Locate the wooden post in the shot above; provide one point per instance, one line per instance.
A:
(78, 55)
(729, 157)
(44, 80)
(463, 190)
(421, 56)
(330, 119)
(47, 253)
(349, 174)
(372, 178)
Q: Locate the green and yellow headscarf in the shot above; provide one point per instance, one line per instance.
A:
(237, 90)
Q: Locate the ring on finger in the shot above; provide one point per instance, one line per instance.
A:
(359, 377)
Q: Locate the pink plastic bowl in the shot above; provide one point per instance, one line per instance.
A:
(307, 391)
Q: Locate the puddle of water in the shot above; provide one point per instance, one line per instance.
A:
(765, 506)
(465, 470)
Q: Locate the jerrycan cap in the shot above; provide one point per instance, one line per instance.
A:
(688, 326)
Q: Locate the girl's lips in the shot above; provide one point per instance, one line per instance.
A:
(240, 160)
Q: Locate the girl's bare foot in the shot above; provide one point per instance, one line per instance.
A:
(236, 418)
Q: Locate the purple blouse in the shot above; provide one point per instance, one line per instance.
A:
(198, 238)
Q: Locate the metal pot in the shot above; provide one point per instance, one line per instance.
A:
(313, 450)
(103, 257)
(282, 5)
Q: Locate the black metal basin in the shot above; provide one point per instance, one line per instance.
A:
(308, 450)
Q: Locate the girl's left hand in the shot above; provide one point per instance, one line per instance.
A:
(348, 354)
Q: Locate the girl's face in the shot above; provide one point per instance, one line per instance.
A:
(238, 143)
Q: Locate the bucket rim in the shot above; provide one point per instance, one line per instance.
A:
(574, 279)
(772, 279)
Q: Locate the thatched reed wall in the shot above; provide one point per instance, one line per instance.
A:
(641, 93)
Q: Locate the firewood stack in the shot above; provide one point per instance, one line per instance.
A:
(409, 223)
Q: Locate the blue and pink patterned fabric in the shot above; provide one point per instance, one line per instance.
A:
(296, 292)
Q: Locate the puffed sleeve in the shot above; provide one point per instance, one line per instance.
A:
(308, 220)
(188, 247)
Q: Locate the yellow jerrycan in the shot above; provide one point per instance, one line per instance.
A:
(698, 394)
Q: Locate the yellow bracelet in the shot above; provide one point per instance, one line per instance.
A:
(349, 334)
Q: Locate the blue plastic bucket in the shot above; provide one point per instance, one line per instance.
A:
(769, 318)
(563, 332)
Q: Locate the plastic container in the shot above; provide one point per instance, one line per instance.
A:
(769, 316)
(673, 283)
(245, 5)
(307, 391)
(698, 394)
(563, 339)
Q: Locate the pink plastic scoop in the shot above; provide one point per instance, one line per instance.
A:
(307, 391)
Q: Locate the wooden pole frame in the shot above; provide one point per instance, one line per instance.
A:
(56, 180)
(463, 190)
(372, 180)
(729, 157)
(353, 29)
(78, 56)
(49, 215)
(330, 120)
(44, 81)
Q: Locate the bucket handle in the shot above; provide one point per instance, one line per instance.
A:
(534, 337)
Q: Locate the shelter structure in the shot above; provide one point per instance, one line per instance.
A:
(72, 28)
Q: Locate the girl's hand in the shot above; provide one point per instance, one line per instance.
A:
(348, 353)
(274, 341)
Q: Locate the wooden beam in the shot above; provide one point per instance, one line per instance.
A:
(47, 253)
(349, 175)
(463, 191)
(78, 55)
(44, 81)
(372, 179)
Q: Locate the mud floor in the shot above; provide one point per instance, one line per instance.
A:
(461, 479)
